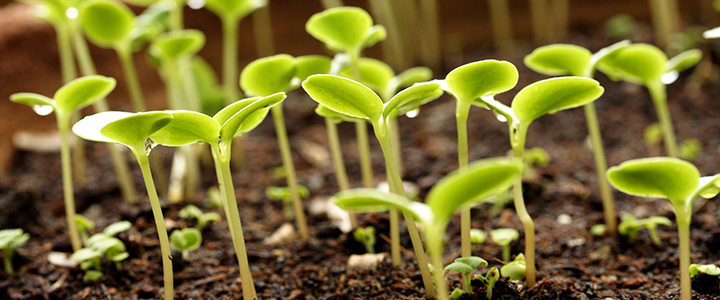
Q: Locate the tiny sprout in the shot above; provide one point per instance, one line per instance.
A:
(10, 239)
(214, 198)
(489, 280)
(84, 224)
(98, 245)
(465, 266)
(690, 149)
(709, 269)
(598, 229)
(366, 236)
(515, 270)
(652, 134)
(186, 240)
(503, 237)
(630, 227)
(536, 156)
(193, 212)
(457, 293)
(477, 236)
(284, 194)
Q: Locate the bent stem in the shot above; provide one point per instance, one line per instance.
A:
(461, 116)
(600, 167)
(230, 68)
(517, 139)
(338, 162)
(682, 216)
(288, 164)
(659, 97)
(63, 123)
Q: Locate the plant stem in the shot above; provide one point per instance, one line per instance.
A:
(396, 143)
(518, 144)
(230, 68)
(131, 78)
(289, 165)
(63, 123)
(598, 149)
(144, 163)
(431, 37)
(659, 97)
(502, 29)
(8, 262)
(683, 223)
(331, 3)
(394, 225)
(506, 253)
(364, 149)
(175, 19)
(461, 116)
(338, 162)
(434, 236)
(262, 26)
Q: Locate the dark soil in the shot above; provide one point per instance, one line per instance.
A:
(572, 263)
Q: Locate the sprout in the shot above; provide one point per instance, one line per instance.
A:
(598, 229)
(193, 212)
(10, 239)
(516, 269)
(489, 280)
(186, 240)
(103, 243)
(366, 236)
(72, 97)
(678, 181)
(503, 237)
(690, 149)
(457, 293)
(133, 131)
(630, 227)
(652, 135)
(84, 224)
(284, 194)
(477, 236)
(710, 269)
(479, 181)
(465, 266)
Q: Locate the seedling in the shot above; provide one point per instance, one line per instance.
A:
(515, 270)
(193, 212)
(103, 243)
(465, 266)
(110, 231)
(72, 97)
(479, 181)
(489, 280)
(10, 239)
(565, 59)
(457, 293)
(710, 269)
(678, 181)
(647, 65)
(503, 237)
(284, 194)
(84, 224)
(630, 227)
(133, 131)
(186, 240)
(188, 127)
(366, 236)
(690, 149)
(598, 229)
(477, 236)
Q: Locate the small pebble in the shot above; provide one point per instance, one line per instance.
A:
(576, 242)
(564, 219)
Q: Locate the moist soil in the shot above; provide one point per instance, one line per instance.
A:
(572, 263)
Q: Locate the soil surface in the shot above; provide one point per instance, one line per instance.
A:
(572, 263)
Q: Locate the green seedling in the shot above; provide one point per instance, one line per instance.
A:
(503, 237)
(84, 224)
(479, 181)
(565, 59)
(103, 243)
(193, 212)
(710, 269)
(133, 131)
(465, 266)
(489, 280)
(630, 227)
(366, 236)
(284, 194)
(68, 99)
(515, 270)
(10, 239)
(678, 181)
(467, 83)
(477, 236)
(188, 127)
(598, 229)
(110, 231)
(647, 65)
(690, 149)
(457, 293)
(652, 135)
(186, 240)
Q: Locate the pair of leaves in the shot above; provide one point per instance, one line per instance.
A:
(504, 236)
(280, 73)
(568, 59)
(173, 45)
(12, 238)
(234, 9)
(646, 64)
(380, 77)
(346, 29)
(187, 239)
(466, 265)
(73, 96)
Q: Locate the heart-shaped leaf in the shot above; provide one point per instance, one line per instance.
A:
(249, 117)
(268, 75)
(177, 43)
(375, 34)
(135, 129)
(89, 127)
(234, 9)
(472, 261)
(552, 95)
(559, 59)
(480, 180)
(662, 177)
(344, 96)
(638, 63)
(340, 28)
(334, 116)
(40, 104)
(374, 74)
(187, 239)
(369, 200)
(684, 61)
(107, 23)
(483, 78)
(83, 91)
(459, 267)
(187, 127)
(411, 98)
(308, 65)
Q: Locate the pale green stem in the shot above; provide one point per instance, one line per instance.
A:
(128, 65)
(598, 149)
(396, 143)
(176, 16)
(144, 163)
(683, 213)
(192, 97)
(8, 262)
(659, 97)
(502, 31)
(230, 60)
(466, 285)
(431, 36)
(331, 3)
(338, 162)
(435, 241)
(289, 165)
(506, 253)
(541, 28)
(262, 26)
(394, 225)
(518, 144)
(654, 235)
(63, 123)
(461, 116)
(69, 72)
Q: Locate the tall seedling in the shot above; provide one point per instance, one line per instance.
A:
(467, 83)
(72, 97)
(678, 181)
(647, 65)
(133, 131)
(188, 127)
(565, 59)
(480, 180)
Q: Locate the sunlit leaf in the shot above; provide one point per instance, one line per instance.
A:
(40, 104)
(684, 60)
(638, 63)
(249, 117)
(83, 91)
(559, 59)
(178, 43)
(483, 78)
(107, 23)
(662, 177)
(187, 127)
(345, 96)
(135, 129)
(268, 75)
(235, 9)
(369, 200)
(374, 74)
(552, 95)
(412, 98)
(308, 65)
(340, 28)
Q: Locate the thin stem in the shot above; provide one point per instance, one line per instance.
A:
(128, 66)
(68, 192)
(394, 225)
(364, 149)
(431, 36)
(67, 60)
(502, 29)
(683, 213)
(600, 167)
(338, 162)
(176, 16)
(467, 287)
(518, 145)
(159, 223)
(659, 97)
(8, 262)
(506, 253)
(289, 165)
(230, 68)
(396, 144)
(263, 31)
(434, 236)
(461, 116)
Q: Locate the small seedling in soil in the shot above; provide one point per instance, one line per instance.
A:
(110, 231)
(193, 212)
(133, 131)
(103, 243)
(465, 266)
(489, 281)
(284, 194)
(477, 236)
(457, 293)
(70, 98)
(516, 269)
(479, 181)
(690, 149)
(84, 224)
(710, 269)
(366, 236)
(10, 239)
(630, 227)
(186, 240)
(676, 180)
(598, 229)
(503, 237)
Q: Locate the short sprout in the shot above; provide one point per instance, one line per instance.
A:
(690, 149)
(284, 194)
(652, 134)
(100, 244)
(709, 269)
(10, 239)
(477, 236)
(630, 227)
(598, 229)
(84, 224)
(193, 212)
(366, 236)
(514, 270)
(186, 240)
(503, 237)
(489, 280)
(457, 293)
(465, 266)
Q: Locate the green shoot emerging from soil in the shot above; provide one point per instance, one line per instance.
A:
(678, 181)
(710, 269)
(479, 181)
(465, 266)
(489, 281)
(72, 97)
(193, 212)
(366, 236)
(84, 224)
(186, 240)
(103, 243)
(515, 269)
(503, 237)
(630, 227)
(477, 236)
(10, 239)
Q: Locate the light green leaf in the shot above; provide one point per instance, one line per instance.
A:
(514, 270)
(712, 33)
(144, 3)
(503, 236)
(82, 92)
(268, 75)
(708, 187)
(709, 269)
(84, 254)
(609, 50)
(107, 23)
(409, 77)
(374, 74)
(344, 96)
(375, 34)
(683, 61)
(150, 23)
(663, 177)
(480, 180)
(559, 59)
(187, 127)
(187, 239)
(552, 95)
(117, 227)
(135, 129)
(190, 211)
(638, 63)
(340, 28)
(90, 127)
(411, 98)
(235, 9)
(249, 117)
(178, 43)
(370, 200)
(40, 104)
(91, 276)
(459, 267)
(308, 65)
(334, 116)
(483, 78)
(83, 222)
(473, 261)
